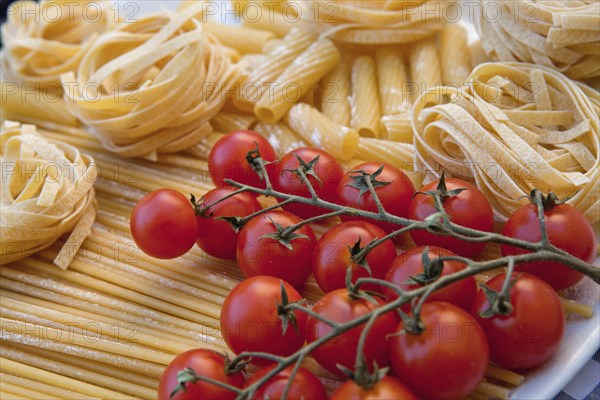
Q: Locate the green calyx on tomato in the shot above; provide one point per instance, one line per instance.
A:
(284, 235)
(305, 169)
(549, 202)
(499, 301)
(287, 315)
(253, 157)
(364, 181)
(361, 374)
(432, 270)
(442, 191)
(359, 256)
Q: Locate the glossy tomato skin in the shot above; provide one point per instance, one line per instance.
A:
(328, 169)
(531, 334)
(338, 306)
(410, 263)
(163, 224)
(206, 363)
(332, 256)
(217, 237)
(249, 320)
(448, 360)
(227, 159)
(305, 385)
(258, 255)
(395, 197)
(386, 389)
(470, 208)
(567, 229)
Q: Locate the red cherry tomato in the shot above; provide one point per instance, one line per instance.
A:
(395, 196)
(260, 255)
(410, 263)
(386, 389)
(448, 360)
(340, 307)
(327, 169)
(163, 224)
(249, 319)
(227, 159)
(530, 335)
(216, 236)
(304, 386)
(567, 229)
(207, 363)
(469, 208)
(332, 255)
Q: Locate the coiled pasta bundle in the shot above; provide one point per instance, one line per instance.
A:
(151, 86)
(378, 22)
(43, 40)
(46, 191)
(512, 128)
(560, 34)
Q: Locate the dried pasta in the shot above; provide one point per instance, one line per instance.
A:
(47, 192)
(454, 55)
(365, 107)
(512, 128)
(151, 86)
(392, 78)
(281, 137)
(561, 34)
(425, 70)
(335, 94)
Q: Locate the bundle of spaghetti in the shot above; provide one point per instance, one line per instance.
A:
(514, 127)
(372, 23)
(43, 40)
(151, 86)
(560, 34)
(47, 191)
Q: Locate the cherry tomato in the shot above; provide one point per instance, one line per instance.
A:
(207, 363)
(328, 170)
(215, 236)
(469, 208)
(305, 385)
(258, 254)
(333, 257)
(249, 319)
(339, 306)
(394, 196)
(163, 224)
(448, 360)
(386, 389)
(567, 229)
(530, 335)
(410, 263)
(227, 159)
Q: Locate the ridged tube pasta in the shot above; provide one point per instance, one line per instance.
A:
(151, 86)
(392, 78)
(46, 192)
(454, 55)
(500, 130)
(335, 94)
(273, 65)
(397, 127)
(320, 131)
(366, 110)
(306, 70)
(281, 137)
(228, 35)
(227, 122)
(43, 40)
(424, 63)
(561, 34)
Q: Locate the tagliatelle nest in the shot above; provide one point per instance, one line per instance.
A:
(379, 22)
(511, 128)
(561, 34)
(43, 40)
(46, 192)
(151, 86)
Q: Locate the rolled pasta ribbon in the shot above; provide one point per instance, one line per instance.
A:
(368, 23)
(47, 191)
(43, 40)
(318, 130)
(561, 34)
(511, 128)
(151, 86)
